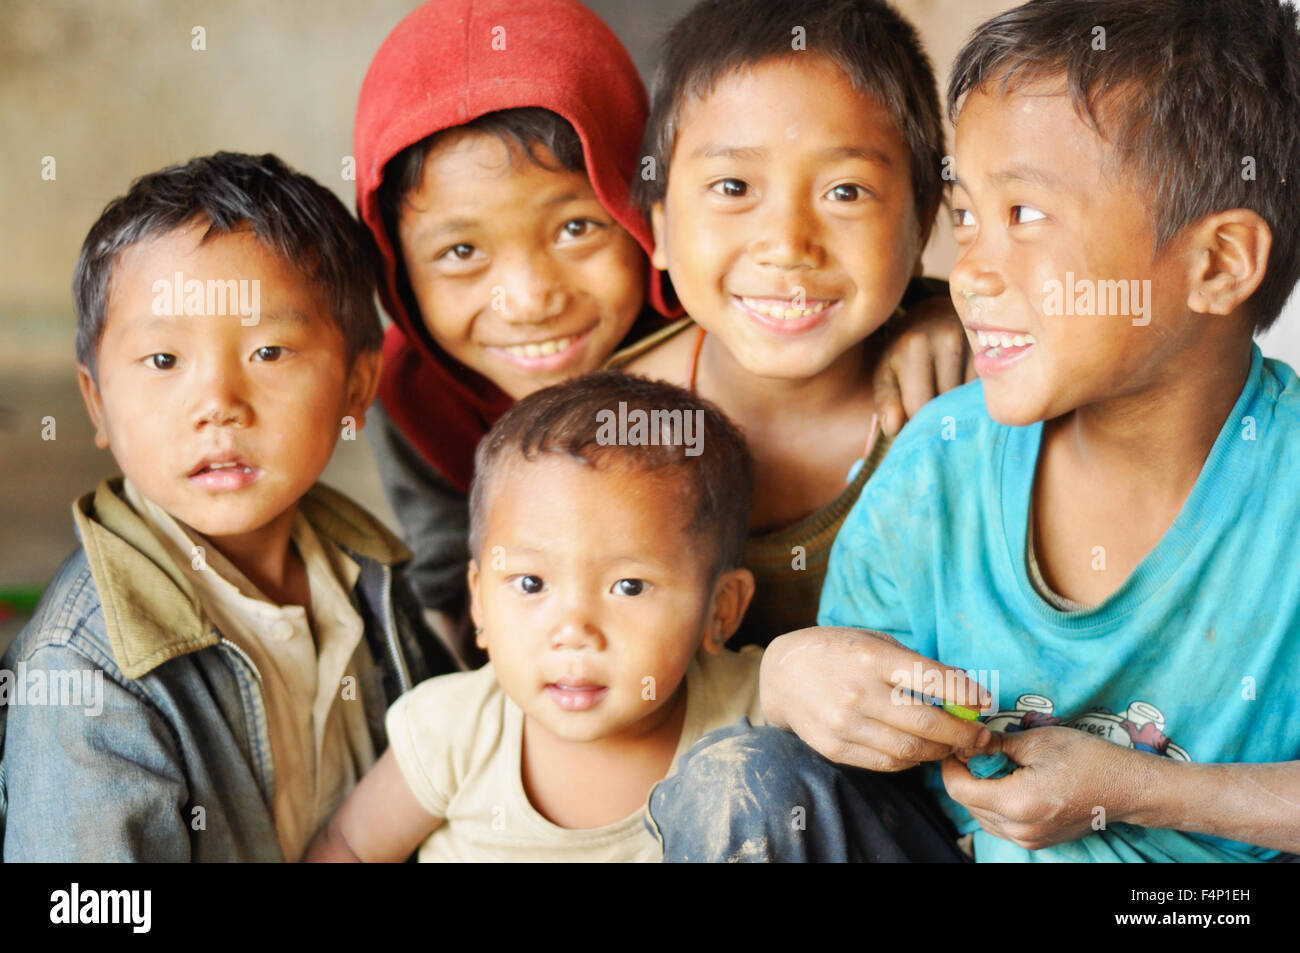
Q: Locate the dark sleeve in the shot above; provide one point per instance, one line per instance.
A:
(433, 514)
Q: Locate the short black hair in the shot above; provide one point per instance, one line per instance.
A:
(1192, 94)
(869, 40)
(291, 213)
(566, 419)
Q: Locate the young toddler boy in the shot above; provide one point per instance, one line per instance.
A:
(607, 523)
(1100, 531)
(241, 628)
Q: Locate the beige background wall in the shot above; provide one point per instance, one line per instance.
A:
(112, 89)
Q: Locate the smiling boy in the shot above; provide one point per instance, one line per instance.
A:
(1105, 521)
(251, 626)
(795, 188)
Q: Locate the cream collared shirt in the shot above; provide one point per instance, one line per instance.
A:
(312, 667)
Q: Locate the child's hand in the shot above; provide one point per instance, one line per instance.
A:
(1069, 784)
(926, 356)
(845, 692)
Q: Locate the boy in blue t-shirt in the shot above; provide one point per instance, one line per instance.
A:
(1102, 530)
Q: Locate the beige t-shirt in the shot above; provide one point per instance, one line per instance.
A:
(320, 740)
(458, 740)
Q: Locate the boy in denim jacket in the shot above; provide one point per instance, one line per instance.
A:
(206, 676)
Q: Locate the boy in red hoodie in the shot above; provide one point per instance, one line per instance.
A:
(495, 140)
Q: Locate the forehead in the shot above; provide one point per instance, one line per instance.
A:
(464, 168)
(796, 100)
(1029, 131)
(226, 268)
(562, 502)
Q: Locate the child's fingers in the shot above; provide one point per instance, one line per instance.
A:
(950, 362)
(888, 400)
(903, 747)
(901, 667)
(934, 725)
(913, 360)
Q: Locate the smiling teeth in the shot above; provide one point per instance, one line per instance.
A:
(780, 311)
(544, 349)
(987, 339)
(227, 466)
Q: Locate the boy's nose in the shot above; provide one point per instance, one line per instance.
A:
(533, 292)
(219, 402)
(785, 239)
(975, 279)
(577, 633)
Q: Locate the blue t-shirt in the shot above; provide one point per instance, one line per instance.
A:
(1194, 657)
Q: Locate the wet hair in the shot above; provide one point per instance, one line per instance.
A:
(522, 131)
(290, 213)
(570, 420)
(878, 50)
(1191, 96)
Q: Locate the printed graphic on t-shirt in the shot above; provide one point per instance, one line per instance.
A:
(1140, 727)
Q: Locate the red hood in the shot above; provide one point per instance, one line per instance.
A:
(436, 70)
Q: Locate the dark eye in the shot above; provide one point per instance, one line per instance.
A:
(161, 362)
(461, 252)
(732, 188)
(629, 587)
(270, 352)
(1025, 215)
(847, 193)
(529, 585)
(578, 227)
(961, 218)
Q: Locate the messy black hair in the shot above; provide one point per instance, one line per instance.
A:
(1201, 102)
(299, 219)
(566, 419)
(878, 50)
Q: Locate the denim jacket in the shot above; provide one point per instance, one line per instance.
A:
(134, 731)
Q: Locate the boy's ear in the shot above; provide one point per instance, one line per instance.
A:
(94, 404)
(1229, 257)
(731, 596)
(475, 606)
(363, 384)
(657, 257)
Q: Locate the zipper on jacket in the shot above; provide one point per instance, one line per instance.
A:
(243, 655)
(390, 633)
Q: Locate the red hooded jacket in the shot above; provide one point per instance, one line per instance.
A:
(447, 63)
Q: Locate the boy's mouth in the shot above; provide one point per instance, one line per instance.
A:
(576, 694)
(786, 315)
(995, 349)
(223, 473)
(546, 354)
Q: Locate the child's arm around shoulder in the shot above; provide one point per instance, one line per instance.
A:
(380, 821)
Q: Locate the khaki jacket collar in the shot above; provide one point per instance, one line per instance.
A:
(151, 611)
